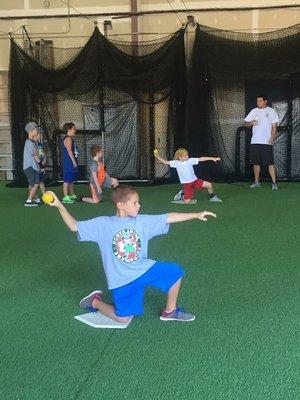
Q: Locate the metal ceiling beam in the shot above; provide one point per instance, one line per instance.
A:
(132, 14)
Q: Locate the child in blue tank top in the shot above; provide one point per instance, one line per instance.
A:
(70, 163)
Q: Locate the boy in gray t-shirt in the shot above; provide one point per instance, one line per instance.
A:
(123, 243)
(98, 176)
(31, 163)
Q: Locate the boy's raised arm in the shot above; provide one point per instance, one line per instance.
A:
(181, 217)
(162, 160)
(214, 159)
(66, 216)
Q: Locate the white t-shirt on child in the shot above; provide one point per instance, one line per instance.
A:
(185, 169)
(265, 117)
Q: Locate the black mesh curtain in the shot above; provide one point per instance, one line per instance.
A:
(120, 82)
(136, 93)
(228, 70)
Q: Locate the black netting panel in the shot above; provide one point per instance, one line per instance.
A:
(295, 129)
(228, 70)
(119, 90)
(133, 97)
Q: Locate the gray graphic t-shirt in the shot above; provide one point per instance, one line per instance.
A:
(123, 243)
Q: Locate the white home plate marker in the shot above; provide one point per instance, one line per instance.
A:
(98, 320)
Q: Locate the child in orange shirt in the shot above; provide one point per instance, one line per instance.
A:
(98, 176)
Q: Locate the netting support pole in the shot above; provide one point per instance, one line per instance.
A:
(290, 129)
(55, 156)
(102, 120)
(151, 133)
(101, 98)
(238, 152)
(189, 39)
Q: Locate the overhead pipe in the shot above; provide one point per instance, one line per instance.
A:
(124, 14)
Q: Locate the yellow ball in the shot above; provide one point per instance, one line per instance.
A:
(47, 198)
(155, 152)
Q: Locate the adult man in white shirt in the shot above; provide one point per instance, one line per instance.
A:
(263, 120)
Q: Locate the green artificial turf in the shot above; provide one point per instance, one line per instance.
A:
(242, 282)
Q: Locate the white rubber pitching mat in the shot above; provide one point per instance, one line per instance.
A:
(98, 320)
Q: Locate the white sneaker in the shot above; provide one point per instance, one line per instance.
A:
(178, 196)
(274, 186)
(215, 199)
(255, 185)
(38, 200)
(30, 203)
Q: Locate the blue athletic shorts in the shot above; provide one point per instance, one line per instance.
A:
(129, 299)
(70, 177)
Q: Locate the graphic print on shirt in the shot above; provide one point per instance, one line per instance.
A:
(126, 245)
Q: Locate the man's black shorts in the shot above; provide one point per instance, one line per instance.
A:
(261, 154)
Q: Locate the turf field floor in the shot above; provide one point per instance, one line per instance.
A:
(242, 282)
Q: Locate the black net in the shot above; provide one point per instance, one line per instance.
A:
(129, 97)
(132, 97)
(228, 71)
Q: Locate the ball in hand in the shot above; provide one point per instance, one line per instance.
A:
(155, 152)
(47, 198)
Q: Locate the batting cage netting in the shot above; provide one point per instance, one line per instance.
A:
(228, 71)
(127, 97)
(132, 97)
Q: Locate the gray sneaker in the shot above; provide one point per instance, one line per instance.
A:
(274, 186)
(255, 185)
(178, 196)
(30, 203)
(215, 199)
(177, 315)
(87, 301)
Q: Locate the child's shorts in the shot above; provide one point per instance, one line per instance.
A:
(129, 299)
(70, 177)
(33, 176)
(42, 177)
(107, 182)
(188, 188)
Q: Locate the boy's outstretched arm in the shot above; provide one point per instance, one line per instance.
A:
(66, 216)
(180, 217)
(214, 159)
